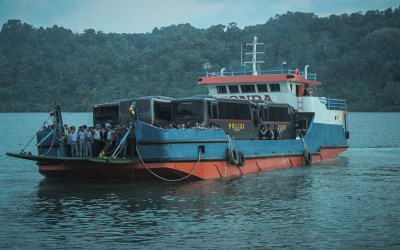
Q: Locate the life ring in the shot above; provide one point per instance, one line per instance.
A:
(233, 156)
(307, 157)
(242, 159)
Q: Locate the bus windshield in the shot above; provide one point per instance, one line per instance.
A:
(103, 114)
(188, 110)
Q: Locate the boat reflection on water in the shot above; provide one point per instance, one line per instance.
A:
(144, 201)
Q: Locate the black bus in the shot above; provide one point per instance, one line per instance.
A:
(152, 109)
(281, 115)
(112, 112)
(237, 117)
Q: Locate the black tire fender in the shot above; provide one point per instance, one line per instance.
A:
(233, 156)
(307, 157)
(242, 159)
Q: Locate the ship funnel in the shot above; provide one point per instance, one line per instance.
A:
(222, 71)
(305, 71)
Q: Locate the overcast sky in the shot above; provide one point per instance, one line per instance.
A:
(141, 16)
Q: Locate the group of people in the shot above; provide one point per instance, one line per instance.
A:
(269, 133)
(102, 141)
(265, 133)
(197, 125)
(94, 141)
(80, 141)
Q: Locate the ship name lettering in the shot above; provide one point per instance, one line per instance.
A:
(251, 97)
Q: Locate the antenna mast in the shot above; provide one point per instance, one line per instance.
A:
(254, 53)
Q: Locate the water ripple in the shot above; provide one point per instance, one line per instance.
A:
(351, 202)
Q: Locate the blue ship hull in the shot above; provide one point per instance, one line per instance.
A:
(175, 145)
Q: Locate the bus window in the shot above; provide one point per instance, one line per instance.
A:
(125, 117)
(124, 106)
(278, 114)
(235, 111)
(212, 109)
(184, 111)
(143, 105)
(162, 111)
(103, 114)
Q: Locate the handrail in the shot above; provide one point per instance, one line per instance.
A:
(334, 104)
(261, 72)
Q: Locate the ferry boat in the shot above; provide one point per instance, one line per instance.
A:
(220, 135)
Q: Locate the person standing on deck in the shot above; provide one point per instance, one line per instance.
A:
(82, 142)
(73, 138)
(89, 142)
(66, 131)
(103, 137)
(96, 140)
(262, 133)
(277, 133)
(110, 139)
(270, 133)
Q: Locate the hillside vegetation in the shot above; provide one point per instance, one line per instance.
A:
(356, 56)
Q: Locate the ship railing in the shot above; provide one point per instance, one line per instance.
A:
(334, 104)
(310, 76)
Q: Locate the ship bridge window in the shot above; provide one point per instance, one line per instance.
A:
(248, 88)
(275, 87)
(262, 88)
(233, 89)
(221, 89)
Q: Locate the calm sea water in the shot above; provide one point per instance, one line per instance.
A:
(347, 203)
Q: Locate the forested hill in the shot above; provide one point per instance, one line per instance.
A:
(356, 56)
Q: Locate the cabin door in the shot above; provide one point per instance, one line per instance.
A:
(299, 90)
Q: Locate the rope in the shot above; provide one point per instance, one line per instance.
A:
(121, 143)
(229, 142)
(52, 143)
(304, 143)
(165, 179)
(118, 150)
